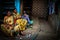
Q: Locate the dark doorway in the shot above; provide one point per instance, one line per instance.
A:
(37, 8)
(27, 6)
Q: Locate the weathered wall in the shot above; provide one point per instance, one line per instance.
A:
(53, 21)
(54, 18)
(59, 19)
(39, 8)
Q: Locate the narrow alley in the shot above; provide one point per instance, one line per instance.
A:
(43, 14)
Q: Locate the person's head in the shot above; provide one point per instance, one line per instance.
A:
(8, 13)
(25, 13)
(15, 10)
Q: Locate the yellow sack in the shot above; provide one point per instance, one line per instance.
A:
(16, 28)
(22, 23)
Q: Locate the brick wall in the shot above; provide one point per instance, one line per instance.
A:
(39, 8)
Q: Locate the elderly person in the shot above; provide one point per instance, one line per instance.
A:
(8, 20)
(25, 16)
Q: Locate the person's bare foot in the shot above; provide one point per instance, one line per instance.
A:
(18, 35)
(23, 33)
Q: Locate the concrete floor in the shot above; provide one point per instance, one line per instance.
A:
(46, 32)
(41, 30)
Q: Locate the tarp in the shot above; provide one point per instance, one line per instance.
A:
(17, 5)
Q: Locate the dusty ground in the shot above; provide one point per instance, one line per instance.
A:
(41, 30)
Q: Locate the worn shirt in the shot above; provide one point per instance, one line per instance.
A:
(27, 18)
(15, 15)
(8, 20)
